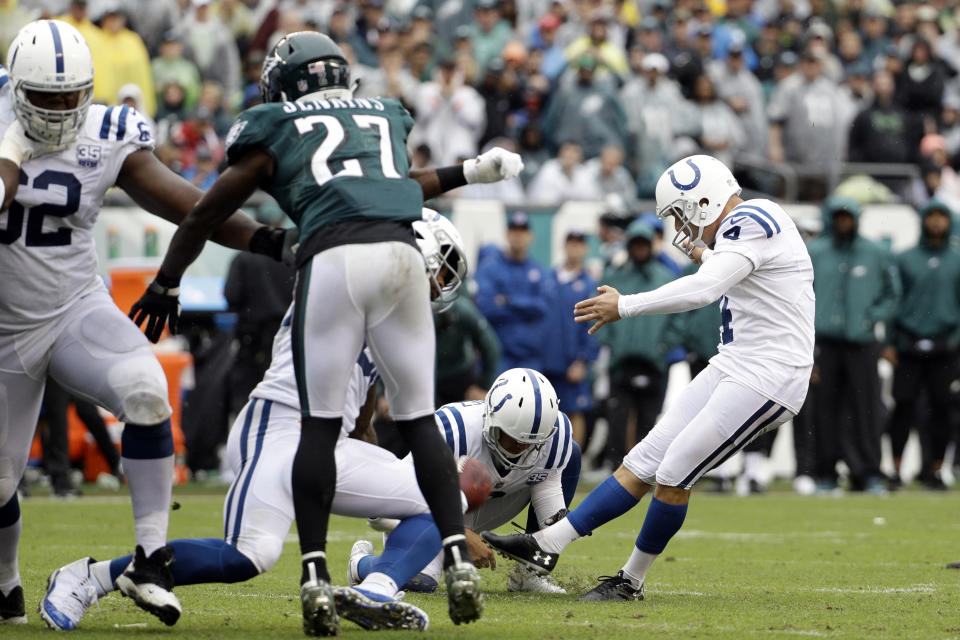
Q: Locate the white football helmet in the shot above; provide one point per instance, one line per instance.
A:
(442, 248)
(50, 56)
(688, 183)
(522, 404)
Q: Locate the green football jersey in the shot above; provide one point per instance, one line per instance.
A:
(335, 160)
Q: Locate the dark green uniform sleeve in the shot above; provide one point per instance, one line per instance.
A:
(253, 129)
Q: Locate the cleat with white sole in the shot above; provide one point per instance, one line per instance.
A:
(149, 583)
(359, 550)
(374, 611)
(522, 579)
(70, 592)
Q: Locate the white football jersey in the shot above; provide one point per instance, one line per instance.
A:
(767, 318)
(49, 257)
(461, 424)
(279, 383)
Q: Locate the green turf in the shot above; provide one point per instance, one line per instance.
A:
(773, 566)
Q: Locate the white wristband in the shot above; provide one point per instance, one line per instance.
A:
(706, 255)
(470, 171)
(12, 150)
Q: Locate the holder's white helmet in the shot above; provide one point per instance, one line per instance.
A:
(442, 248)
(688, 183)
(523, 405)
(50, 56)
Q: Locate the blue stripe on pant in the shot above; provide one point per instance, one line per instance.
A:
(754, 425)
(248, 468)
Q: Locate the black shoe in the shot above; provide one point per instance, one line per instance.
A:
(932, 480)
(613, 588)
(11, 607)
(523, 548)
(149, 582)
(953, 565)
(894, 482)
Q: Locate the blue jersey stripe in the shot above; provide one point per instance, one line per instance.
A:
(258, 447)
(553, 448)
(245, 430)
(566, 445)
(368, 368)
(537, 401)
(105, 126)
(122, 122)
(739, 208)
(447, 430)
(760, 221)
(57, 44)
(461, 430)
(4, 79)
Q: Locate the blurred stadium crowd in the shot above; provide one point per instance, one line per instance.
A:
(599, 97)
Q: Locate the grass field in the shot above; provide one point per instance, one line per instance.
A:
(772, 566)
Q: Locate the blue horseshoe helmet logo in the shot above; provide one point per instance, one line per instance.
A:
(692, 184)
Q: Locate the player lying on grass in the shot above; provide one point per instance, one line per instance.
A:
(258, 510)
(525, 442)
(759, 269)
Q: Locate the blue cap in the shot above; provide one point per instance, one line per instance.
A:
(653, 220)
(518, 220)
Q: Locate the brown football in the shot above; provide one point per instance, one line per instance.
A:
(475, 481)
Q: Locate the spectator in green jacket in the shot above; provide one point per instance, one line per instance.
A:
(468, 353)
(923, 343)
(637, 350)
(172, 67)
(857, 287)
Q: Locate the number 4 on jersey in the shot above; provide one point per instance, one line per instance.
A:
(319, 163)
(726, 317)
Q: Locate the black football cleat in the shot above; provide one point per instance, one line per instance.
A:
(148, 581)
(615, 587)
(523, 548)
(11, 607)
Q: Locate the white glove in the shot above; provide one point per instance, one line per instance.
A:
(18, 148)
(493, 166)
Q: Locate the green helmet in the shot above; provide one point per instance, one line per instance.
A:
(302, 63)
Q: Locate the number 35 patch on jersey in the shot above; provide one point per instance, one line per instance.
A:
(88, 155)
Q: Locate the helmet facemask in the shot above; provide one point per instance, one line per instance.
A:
(689, 214)
(53, 127)
(522, 461)
(450, 274)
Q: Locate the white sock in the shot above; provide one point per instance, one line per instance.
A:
(435, 568)
(379, 583)
(101, 577)
(752, 465)
(151, 481)
(636, 567)
(556, 537)
(9, 568)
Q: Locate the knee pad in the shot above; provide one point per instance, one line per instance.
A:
(8, 481)
(142, 389)
(262, 549)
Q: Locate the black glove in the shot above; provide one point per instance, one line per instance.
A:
(279, 244)
(159, 305)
